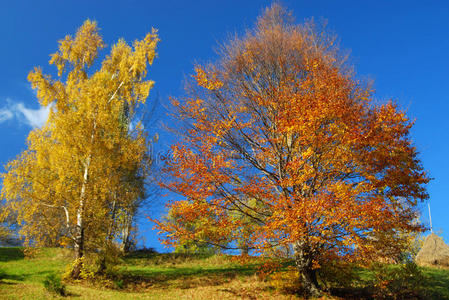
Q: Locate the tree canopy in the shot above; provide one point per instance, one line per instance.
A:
(280, 130)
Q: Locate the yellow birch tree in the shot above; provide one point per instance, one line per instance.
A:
(66, 186)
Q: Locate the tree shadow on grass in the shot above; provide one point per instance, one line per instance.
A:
(22, 277)
(72, 295)
(184, 277)
(162, 270)
(365, 293)
(4, 276)
(11, 253)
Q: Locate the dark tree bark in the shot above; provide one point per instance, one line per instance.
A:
(304, 265)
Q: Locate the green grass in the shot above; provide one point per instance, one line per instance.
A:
(159, 276)
(154, 276)
(14, 267)
(437, 283)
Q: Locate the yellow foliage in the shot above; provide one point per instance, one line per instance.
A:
(85, 165)
(286, 281)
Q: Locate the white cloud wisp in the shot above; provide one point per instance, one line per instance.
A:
(32, 117)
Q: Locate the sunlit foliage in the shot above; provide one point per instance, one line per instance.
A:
(280, 130)
(83, 169)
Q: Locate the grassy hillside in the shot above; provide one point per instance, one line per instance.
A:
(156, 276)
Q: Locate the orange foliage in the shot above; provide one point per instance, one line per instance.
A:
(283, 138)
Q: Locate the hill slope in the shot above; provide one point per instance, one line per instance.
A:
(156, 276)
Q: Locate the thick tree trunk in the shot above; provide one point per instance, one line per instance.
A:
(304, 265)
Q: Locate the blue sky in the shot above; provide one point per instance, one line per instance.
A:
(402, 45)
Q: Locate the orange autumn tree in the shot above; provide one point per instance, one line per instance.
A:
(280, 132)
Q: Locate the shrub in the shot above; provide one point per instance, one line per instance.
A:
(31, 252)
(53, 284)
(338, 274)
(105, 261)
(286, 281)
(267, 268)
(87, 270)
(119, 284)
(405, 281)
